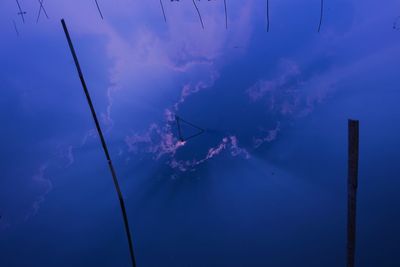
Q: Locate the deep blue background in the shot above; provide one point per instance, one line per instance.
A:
(285, 205)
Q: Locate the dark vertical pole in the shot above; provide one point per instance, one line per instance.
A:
(103, 143)
(352, 183)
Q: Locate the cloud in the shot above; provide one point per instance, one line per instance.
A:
(161, 141)
(45, 185)
(292, 93)
(271, 136)
(182, 54)
(282, 94)
(146, 58)
(236, 150)
(66, 155)
(189, 89)
(230, 142)
(158, 141)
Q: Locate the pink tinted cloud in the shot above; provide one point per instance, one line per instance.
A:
(195, 56)
(278, 88)
(236, 150)
(158, 141)
(181, 50)
(269, 137)
(190, 89)
(289, 95)
(230, 142)
(66, 155)
(45, 186)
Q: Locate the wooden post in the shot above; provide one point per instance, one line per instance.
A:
(352, 183)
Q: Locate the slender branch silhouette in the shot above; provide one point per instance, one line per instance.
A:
(267, 15)
(40, 10)
(322, 13)
(98, 8)
(103, 143)
(15, 27)
(226, 15)
(198, 12)
(163, 11)
(21, 13)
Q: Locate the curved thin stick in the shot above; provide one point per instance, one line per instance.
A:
(15, 27)
(21, 12)
(103, 144)
(226, 15)
(267, 15)
(40, 10)
(163, 11)
(322, 13)
(98, 8)
(198, 12)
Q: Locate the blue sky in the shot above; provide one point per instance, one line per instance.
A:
(265, 185)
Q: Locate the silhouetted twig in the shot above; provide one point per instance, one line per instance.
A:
(15, 27)
(267, 15)
(103, 143)
(198, 12)
(322, 13)
(226, 15)
(163, 11)
(40, 9)
(98, 8)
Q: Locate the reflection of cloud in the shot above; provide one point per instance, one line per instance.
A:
(179, 57)
(179, 53)
(45, 185)
(89, 134)
(289, 92)
(184, 55)
(70, 156)
(230, 143)
(189, 89)
(158, 141)
(32, 191)
(236, 150)
(271, 136)
(66, 154)
(289, 74)
(282, 95)
(292, 94)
